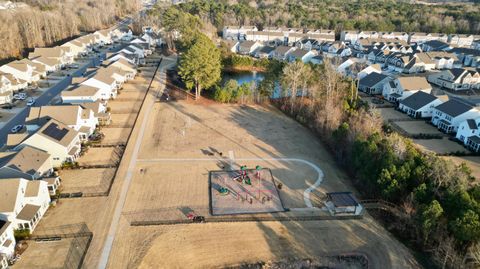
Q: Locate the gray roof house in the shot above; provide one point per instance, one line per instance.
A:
(419, 104)
(372, 83)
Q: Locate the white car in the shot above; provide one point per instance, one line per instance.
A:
(17, 128)
(30, 102)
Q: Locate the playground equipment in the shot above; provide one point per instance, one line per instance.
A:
(195, 218)
(223, 191)
(258, 168)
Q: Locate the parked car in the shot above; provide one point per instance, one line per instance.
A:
(20, 96)
(30, 102)
(16, 128)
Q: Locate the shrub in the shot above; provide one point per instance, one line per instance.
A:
(21, 234)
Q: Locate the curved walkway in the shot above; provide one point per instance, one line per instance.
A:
(306, 193)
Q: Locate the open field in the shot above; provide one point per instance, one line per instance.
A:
(123, 107)
(418, 127)
(439, 146)
(122, 120)
(45, 254)
(183, 142)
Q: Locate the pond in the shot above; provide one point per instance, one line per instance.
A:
(247, 77)
(242, 77)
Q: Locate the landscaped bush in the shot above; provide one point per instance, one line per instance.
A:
(21, 234)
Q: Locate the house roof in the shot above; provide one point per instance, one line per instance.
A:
(418, 100)
(298, 53)
(413, 83)
(266, 49)
(105, 77)
(436, 44)
(81, 90)
(453, 107)
(33, 186)
(246, 45)
(67, 114)
(47, 61)
(55, 52)
(94, 106)
(58, 132)
(372, 79)
(282, 50)
(28, 212)
(8, 194)
(27, 160)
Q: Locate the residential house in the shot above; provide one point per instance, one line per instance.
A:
(308, 44)
(419, 104)
(353, 36)
(461, 40)
(6, 90)
(74, 116)
(231, 45)
(81, 94)
(372, 83)
(467, 56)
(424, 37)
(369, 69)
(126, 66)
(58, 53)
(266, 36)
(24, 202)
(300, 55)
(29, 163)
(76, 47)
(318, 59)
(338, 49)
(264, 52)
(56, 138)
(476, 44)
(321, 35)
(7, 243)
(434, 45)
(50, 64)
(456, 79)
(153, 39)
(402, 87)
(402, 36)
(100, 112)
(237, 32)
(448, 116)
(21, 70)
(248, 47)
(103, 37)
(469, 133)
(106, 83)
(443, 60)
(280, 53)
(129, 57)
(15, 83)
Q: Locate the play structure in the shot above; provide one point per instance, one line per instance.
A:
(244, 191)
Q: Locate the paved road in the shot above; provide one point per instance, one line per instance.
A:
(53, 91)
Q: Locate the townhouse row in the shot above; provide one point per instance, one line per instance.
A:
(52, 136)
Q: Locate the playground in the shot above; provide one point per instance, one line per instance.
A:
(243, 191)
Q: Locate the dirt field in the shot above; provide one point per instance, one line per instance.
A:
(115, 135)
(99, 156)
(122, 120)
(439, 145)
(418, 127)
(391, 114)
(45, 254)
(172, 173)
(122, 107)
(86, 179)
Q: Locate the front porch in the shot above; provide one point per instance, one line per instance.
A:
(445, 126)
(29, 217)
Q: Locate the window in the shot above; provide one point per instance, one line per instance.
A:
(56, 159)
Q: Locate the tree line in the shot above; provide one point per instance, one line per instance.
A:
(46, 22)
(375, 15)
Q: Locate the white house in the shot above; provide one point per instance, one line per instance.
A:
(448, 116)
(29, 163)
(107, 85)
(456, 79)
(129, 57)
(369, 69)
(24, 202)
(103, 37)
(7, 243)
(372, 83)
(59, 140)
(461, 40)
(265, 52)
(280, 53)
(237, 32)
(12, 82)
(74, 116)
(124, 65)
(100, 111)
(58, 53)
(419, 104)
(403, 87)
(468, 128)
(76, 47)
(248, 47)
(81, 94)
(20, 70)
(300, 55)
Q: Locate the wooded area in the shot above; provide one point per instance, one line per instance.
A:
(45, 22)
(374, 15)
